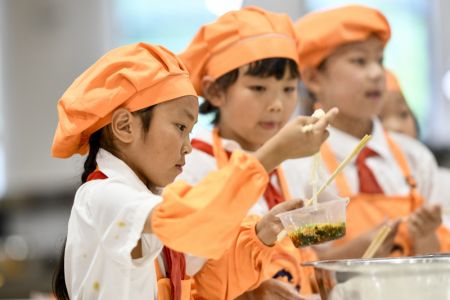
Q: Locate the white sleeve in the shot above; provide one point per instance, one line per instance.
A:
(118, 213)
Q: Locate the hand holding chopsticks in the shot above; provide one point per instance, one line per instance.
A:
(377, 241)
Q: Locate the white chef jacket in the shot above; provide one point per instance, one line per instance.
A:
(385, 168)
(105, 224)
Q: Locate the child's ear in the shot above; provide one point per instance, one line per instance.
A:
(211, 92)
(123, 125)
(311, 79)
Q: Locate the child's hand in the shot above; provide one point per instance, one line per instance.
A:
(294, 142)
(422, 226)
(388, 244)
(425, 220)
(268, 228)
(272, 289)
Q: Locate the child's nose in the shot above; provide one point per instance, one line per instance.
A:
(276, 105)
(187, 147)
(376, 71)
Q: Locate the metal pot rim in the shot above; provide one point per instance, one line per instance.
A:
(351, 265)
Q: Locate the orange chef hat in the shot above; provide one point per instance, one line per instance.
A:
(133, 76)
(236, 39)
(320, 33)
(392, 83)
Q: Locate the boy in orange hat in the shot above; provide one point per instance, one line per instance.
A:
(341, 63)
(245, 65)
(132, 112)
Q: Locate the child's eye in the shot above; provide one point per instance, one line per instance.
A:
(359, 61)
(289, 89)
(404, 114)
(257, 88)
(381, 61)
(181, 127)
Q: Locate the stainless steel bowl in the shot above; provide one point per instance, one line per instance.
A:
(419, 277)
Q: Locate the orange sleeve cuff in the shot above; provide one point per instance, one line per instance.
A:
(243, 266)
(288, 260)
(204, 219)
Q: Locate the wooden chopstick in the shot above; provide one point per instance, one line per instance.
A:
(343, 164)
(377, 241)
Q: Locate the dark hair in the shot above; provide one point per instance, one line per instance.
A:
(269, 67)
(59, 279)
(102, 138)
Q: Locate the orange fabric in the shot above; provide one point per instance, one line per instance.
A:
(368, 184)
(288, 259)
(214, 208)
(243, 266)
(284, 263)
(219, 152)
(236, 39)
(320, 33)
(271, 194)
(165, 289)
(365, 211)
(392, 83)
(443, 232)
(133, 76)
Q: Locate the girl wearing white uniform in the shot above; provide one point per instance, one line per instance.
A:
(132, 112)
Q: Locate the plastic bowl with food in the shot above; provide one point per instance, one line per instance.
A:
(315, 224)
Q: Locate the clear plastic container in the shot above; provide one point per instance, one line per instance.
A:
(315, 224)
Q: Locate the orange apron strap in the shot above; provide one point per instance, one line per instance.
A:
(331, 164)
(404, 166)
(283, 184)
(401, 160)
(219, 153)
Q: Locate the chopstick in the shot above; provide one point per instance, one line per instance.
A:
(343, 164)
(314, 176)
(377, 241)
(318, 113)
